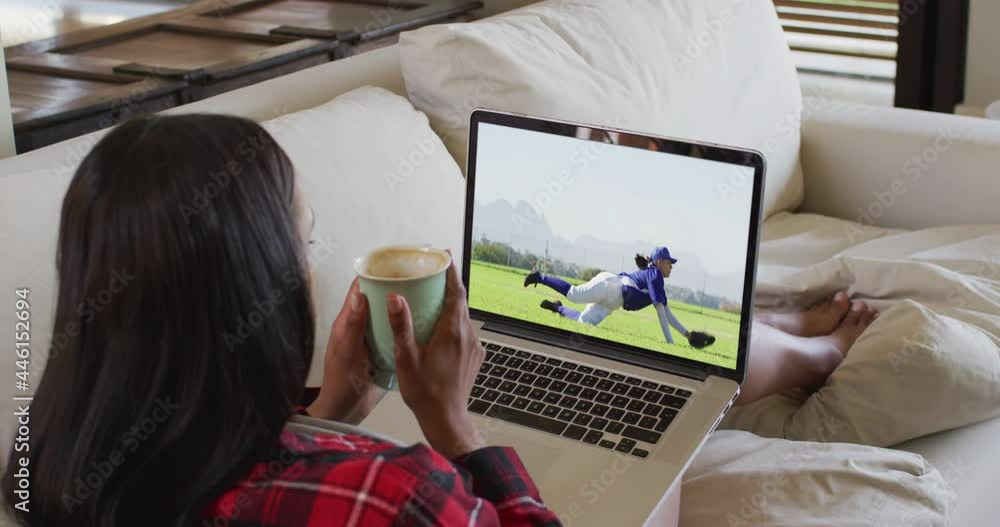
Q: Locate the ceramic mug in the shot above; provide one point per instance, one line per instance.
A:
(418, 274)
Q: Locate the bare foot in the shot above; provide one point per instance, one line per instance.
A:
(787, 361)
(857, 319)
(821, 319)
(823, 354)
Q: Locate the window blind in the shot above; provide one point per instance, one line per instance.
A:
(847, 37)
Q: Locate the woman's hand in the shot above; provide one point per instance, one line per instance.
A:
(347, 394)
(435, 380)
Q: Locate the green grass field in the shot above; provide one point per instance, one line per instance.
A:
(501, 289)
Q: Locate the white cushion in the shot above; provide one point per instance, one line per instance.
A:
(741, 479)
(896, 167)
(375, 174)
(712, 70)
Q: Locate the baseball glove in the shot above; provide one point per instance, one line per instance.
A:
(700, 339)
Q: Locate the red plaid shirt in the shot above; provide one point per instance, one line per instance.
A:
(350, 480)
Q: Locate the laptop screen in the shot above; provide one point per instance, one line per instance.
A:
(625, 238)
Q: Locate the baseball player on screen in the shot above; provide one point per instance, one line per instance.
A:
(633, 291)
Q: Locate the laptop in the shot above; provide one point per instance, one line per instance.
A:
(603, 410)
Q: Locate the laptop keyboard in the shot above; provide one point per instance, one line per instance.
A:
(598, 407)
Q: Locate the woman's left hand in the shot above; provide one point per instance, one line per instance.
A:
(347, 394)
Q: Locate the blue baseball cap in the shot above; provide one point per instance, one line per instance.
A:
(661, 253)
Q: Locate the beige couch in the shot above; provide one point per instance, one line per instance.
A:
(960, 185)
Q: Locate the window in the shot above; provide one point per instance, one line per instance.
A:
(910, 53)
(843, 37)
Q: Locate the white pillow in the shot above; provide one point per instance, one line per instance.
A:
(741, 479)
(375, 174)
(713, 70)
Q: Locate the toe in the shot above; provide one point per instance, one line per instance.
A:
(853, 316)
(839, 300)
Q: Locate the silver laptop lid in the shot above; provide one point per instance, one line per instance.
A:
(578, 203)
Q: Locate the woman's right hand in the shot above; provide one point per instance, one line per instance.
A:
(436, 379)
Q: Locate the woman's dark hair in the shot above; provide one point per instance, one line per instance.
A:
(641, 261)
(183, 324)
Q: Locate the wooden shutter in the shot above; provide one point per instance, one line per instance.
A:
(848, 37)
(81, 81)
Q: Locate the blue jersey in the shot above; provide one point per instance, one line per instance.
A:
(648, 290)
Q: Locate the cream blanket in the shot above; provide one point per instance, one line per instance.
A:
(931, 362)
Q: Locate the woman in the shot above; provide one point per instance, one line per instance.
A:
(164, 409)
(606, 292)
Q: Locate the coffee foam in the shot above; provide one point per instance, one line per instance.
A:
(403, 263)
